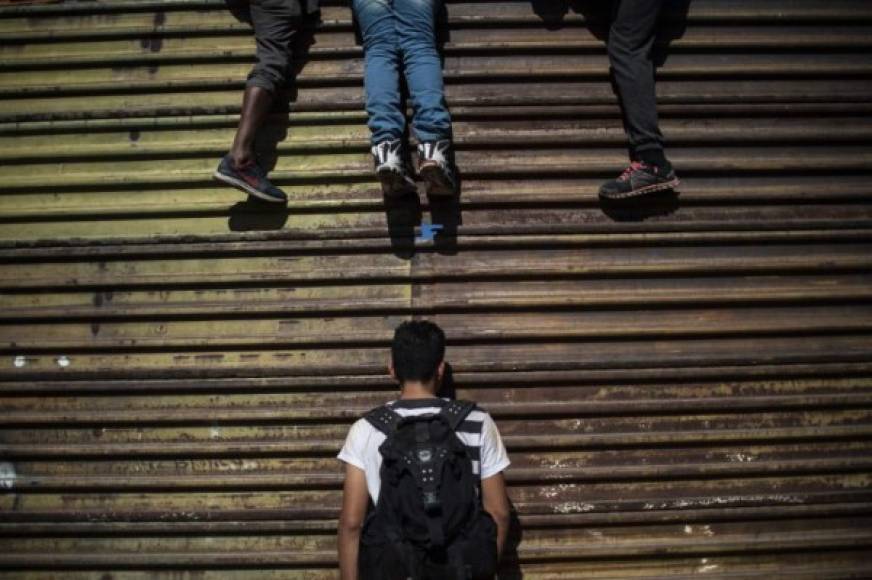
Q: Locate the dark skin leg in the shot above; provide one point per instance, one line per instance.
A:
(256, 105)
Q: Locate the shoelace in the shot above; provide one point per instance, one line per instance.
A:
(634, 166)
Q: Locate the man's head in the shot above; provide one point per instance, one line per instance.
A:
(417, 353)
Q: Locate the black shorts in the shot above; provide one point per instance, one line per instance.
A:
(283, 31)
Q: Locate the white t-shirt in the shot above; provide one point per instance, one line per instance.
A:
(478, 432)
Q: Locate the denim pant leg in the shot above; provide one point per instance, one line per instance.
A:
(381, 75)
(416, 34)
(630, 41)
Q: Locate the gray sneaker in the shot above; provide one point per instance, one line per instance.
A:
(639, 179)
(436, 167)
(390, 167)
(250, 178)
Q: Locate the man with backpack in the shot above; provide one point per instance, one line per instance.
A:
(424, 494)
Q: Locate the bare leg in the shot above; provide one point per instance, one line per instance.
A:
(256, 104)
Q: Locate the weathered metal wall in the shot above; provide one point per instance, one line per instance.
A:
(685, 388)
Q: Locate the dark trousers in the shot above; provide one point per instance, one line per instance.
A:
(631, 39)
(283, 32)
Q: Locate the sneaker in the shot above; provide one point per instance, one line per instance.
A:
(390, 167)
(436, 167)
(250, 178)
(638, 179)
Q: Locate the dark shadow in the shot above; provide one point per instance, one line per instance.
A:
(240, 9)
(510, 565)
(448, 388)
(552, 12)
(597, 14)
(403, 215)
(256, 215)
(443, 30)
(658, 204)
(673, 25)
(445, 217)
(268, 137)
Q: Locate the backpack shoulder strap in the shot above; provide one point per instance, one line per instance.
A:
(456, 412)
(384, 419)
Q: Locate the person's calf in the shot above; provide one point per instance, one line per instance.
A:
(256, 105)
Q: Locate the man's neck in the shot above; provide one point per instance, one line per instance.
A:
(417, 390)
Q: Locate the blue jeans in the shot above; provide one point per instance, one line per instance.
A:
(402, 34)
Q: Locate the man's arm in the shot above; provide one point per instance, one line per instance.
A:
(496, 503)
(355, 499)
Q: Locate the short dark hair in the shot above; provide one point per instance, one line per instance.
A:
(417, 350)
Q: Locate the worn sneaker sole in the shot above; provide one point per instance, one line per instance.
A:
(241, 185)
(395, 184)
(672, 184)
(438, 183)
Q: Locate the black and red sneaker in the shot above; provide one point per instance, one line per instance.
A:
(249, 178)
(639, 179)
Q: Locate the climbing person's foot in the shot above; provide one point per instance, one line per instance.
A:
(436, 167)
(390, 168)
(250, 178)
(640, 179)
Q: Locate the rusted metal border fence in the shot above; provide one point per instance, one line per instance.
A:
(685, 385)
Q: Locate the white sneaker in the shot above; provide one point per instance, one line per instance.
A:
(436, 167)
(391, 168)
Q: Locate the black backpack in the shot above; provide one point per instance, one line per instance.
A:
(429, 522)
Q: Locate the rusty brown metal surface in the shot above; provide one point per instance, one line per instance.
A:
(685, 385)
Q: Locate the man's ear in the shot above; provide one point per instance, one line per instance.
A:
(391, 371)
(440, 373)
